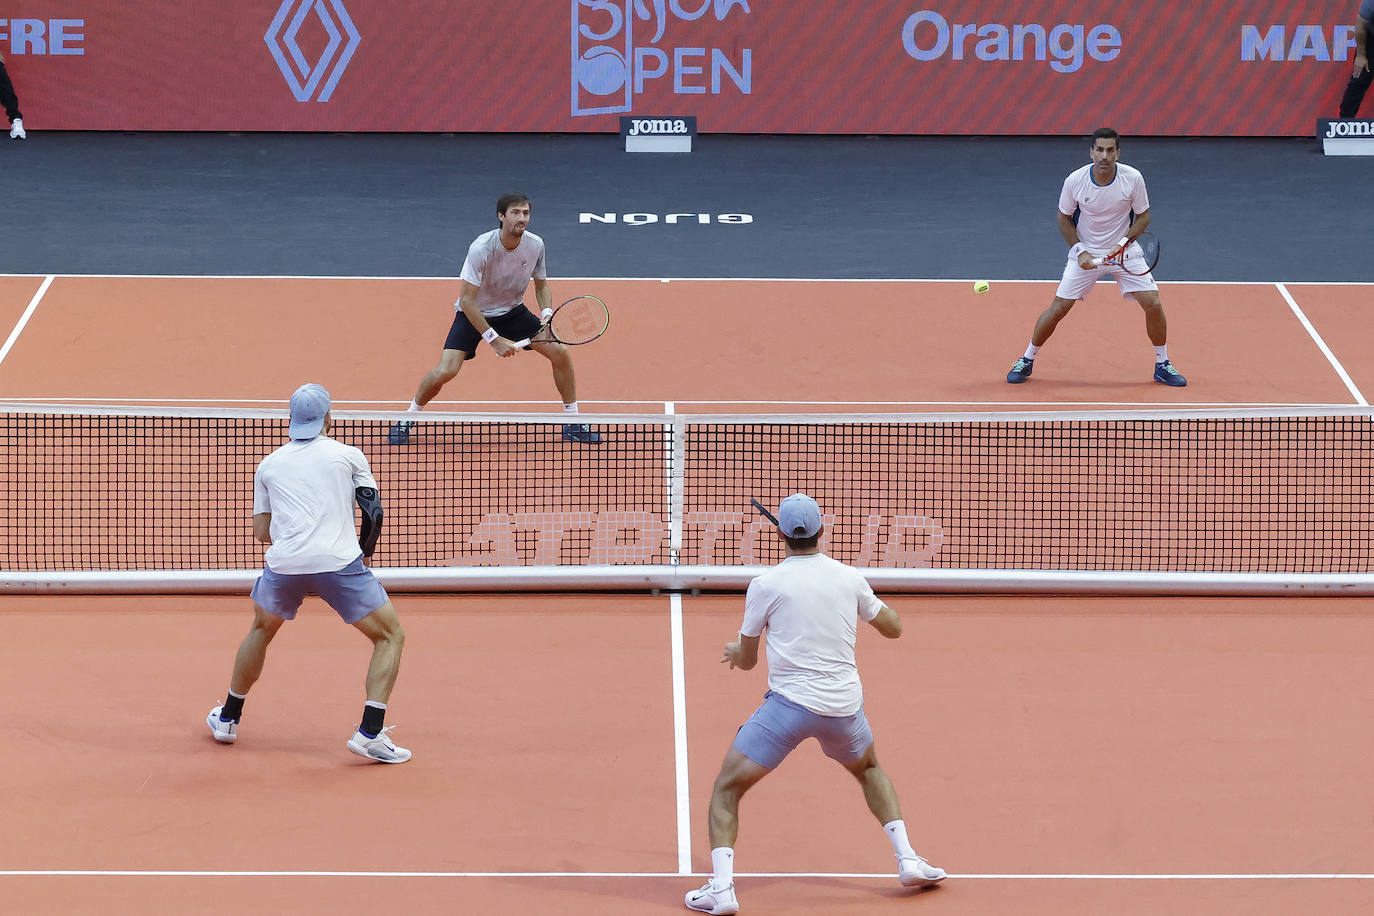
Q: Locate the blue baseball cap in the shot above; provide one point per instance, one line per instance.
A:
(799, 516)
(309, 404)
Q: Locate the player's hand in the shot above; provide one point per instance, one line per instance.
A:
(367, 561)
(1361, 65)
(732, 654)
(1085, 260)
(504, 347)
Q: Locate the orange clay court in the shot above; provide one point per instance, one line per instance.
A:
(1056, 755)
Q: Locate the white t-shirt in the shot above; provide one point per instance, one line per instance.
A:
(811, 606)
(308, 487)
(500, 275)
(1104, 210)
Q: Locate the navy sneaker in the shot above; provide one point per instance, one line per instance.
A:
(1166, 374)
(400, 432)
(1020, 370)
(580, 432)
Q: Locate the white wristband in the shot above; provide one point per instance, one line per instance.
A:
(490, 335)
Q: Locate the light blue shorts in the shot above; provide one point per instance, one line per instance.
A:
(353, 592)
(779, 725)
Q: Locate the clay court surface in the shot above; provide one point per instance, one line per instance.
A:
(1056, 755)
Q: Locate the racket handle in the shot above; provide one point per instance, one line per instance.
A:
(521, 344)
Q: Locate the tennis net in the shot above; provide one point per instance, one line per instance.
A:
(1242, 491)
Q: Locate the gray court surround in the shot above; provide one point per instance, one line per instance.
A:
(737, 206)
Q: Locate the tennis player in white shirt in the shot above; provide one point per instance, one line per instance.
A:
(810, 605)
(1096, 207)
(303, 496)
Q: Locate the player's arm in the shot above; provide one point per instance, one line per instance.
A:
(887, 623)
(369, 500)
(543, 295)
(743, 653)
(1069, 230)
(467, 301)
(262, 527)
(1138, 225)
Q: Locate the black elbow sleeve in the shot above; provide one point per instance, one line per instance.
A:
(370, 502)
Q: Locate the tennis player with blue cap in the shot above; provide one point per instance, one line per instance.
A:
(303, 496)
(810, 605)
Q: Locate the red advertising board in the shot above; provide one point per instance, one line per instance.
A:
(1162, 67)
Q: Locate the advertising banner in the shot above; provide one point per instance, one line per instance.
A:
(1152, 67)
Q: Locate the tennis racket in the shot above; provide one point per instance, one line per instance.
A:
(1138, 257)
(764, 512)
(578, 321)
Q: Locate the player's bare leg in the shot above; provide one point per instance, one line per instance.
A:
(252, 654)
(565, 380)
(737, 775)
(450, 361)
(1044, 327)
(1049, 320)
(1158, 328)
(1156, 325)
(881, 796)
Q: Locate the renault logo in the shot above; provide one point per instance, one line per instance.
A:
(303, 77)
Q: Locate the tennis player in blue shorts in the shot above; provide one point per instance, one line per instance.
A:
(810, 605)
(303, 496)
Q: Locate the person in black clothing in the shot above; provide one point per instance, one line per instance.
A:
(1360, 76)
(11, 103)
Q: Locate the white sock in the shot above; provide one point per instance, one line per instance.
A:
(1031, 350)
(722, 867)
(570, 408)
(414, 408)
(896, 835)
(238, 696)
(1162, 353)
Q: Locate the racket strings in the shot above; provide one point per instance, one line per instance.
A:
(579, 320)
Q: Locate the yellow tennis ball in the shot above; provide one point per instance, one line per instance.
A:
(981, 286)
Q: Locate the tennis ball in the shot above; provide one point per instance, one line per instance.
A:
(981, 286)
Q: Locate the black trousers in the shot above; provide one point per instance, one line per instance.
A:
(9, 99)
(1358, 85)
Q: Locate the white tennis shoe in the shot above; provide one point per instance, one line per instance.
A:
(379, 748)
(224, 732)
(17, 130)
(718, 903)
(918, 872)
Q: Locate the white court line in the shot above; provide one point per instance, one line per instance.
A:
(684, 811)
(1321, 344)
(24, 319)
(679, 279)
(884, 876)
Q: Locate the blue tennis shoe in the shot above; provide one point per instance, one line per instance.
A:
(1166, 374)
(1020, 370)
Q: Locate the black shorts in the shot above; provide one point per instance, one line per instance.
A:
(517, 324)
